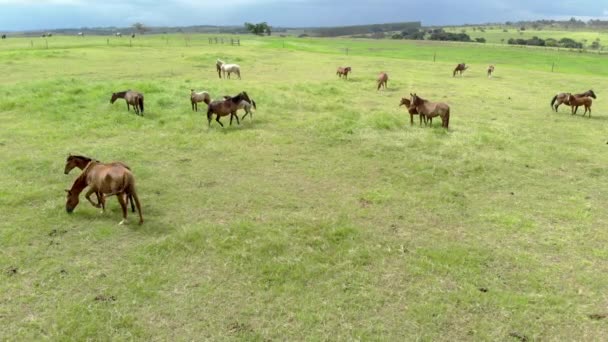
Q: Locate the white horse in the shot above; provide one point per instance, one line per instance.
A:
(80, 34)
(228, 68)
(118, 34)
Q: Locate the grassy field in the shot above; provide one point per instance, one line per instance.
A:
(327, 217)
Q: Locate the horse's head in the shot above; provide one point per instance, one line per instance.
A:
(592, 94)
(244, 96)
(114, 97)
(71, 202)
(405, 102)
(348, 69)
(414, 100)
(70, 163)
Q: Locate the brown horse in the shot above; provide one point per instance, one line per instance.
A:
(229, 105)
(110, 179)
(575, 102)
(412, 110)
(195, 98)
(490, 71)
(132, 98)
(343, 71)
(382, 80)
(81, 162)
(460, 68)
(562, 98)
(431, 109)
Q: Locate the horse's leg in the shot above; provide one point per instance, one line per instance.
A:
(132, 204)
(123, 206)
(237, 118)
(218, 121)
(238, 72)
(102, 201)
(576, 110)
(231, 116)
(88, 197)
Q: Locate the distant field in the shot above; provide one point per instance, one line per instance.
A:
(327, 217)
(498, 35)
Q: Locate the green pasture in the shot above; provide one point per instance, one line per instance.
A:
(498, 35)
(326, 217)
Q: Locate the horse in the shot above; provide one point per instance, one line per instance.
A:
(132, 98)
(431, 109)
(562, 98)
(412, 110)
(460, 68)
(382, 80)
(490, 71)
(246, 105)
(195, 98)
(81, 162)
(343, 72)
(228, 68)
(3, 36)
(224, 107)
(80, 34)
(132, 35)
(118, 34)
(104, 179)
(580, 101)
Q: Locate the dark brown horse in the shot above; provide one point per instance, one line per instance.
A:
(562, 98)
(412, 110)
(576, 101)
(382, 80)
(132, 98)
(431, 109)
(81, 162)
(343, 71)
(490, 71)
(3, 36)
(460, 68)
(229, 105)
(108, 180)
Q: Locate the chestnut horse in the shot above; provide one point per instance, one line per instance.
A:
(460, 68)
(102, 179)
(382, 80)
(227, 106)
(81, 162)
(575, 102)
(562, 98)
(132, 98)
(431, 109)
(412, 110)
(343, 71)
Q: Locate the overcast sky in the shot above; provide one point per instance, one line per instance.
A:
(48, 14)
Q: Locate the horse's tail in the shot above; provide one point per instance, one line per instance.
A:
(454, 74)
(253, 103)
(133, 195)
(141, 104)
(553, 100)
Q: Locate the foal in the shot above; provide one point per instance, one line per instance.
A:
(580, 101)
(382, 80)
(343, 72)
(490, 71)
(460, 68)
(412, 110)
(228, 106)
(132, 98)
(431, 109)
(195, 98)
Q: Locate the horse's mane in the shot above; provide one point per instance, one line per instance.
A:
(122, 93)
(83, 175)
(219, 61)
(76, 156)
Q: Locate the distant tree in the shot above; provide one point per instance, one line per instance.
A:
(595, 45)
(259, 29)
(140, 28)
(480, 40)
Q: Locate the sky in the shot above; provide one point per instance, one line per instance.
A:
(50, 14)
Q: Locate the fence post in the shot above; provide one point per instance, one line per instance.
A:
(347, 51)
(552, 66)
(108, 41)
(434, 57)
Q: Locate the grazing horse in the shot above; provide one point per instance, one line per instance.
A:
(382, 80)
(224, 107)
(562, 98)
(343, 72)
(412, 110)
(460, 68)
(431, 109)
(246, 105)
(81, 162)
(118, 34)
(490, 71)
(228, 68)
(132, 98)
(195, 98)
(580, 101)
(80, 34)
(102, 179)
